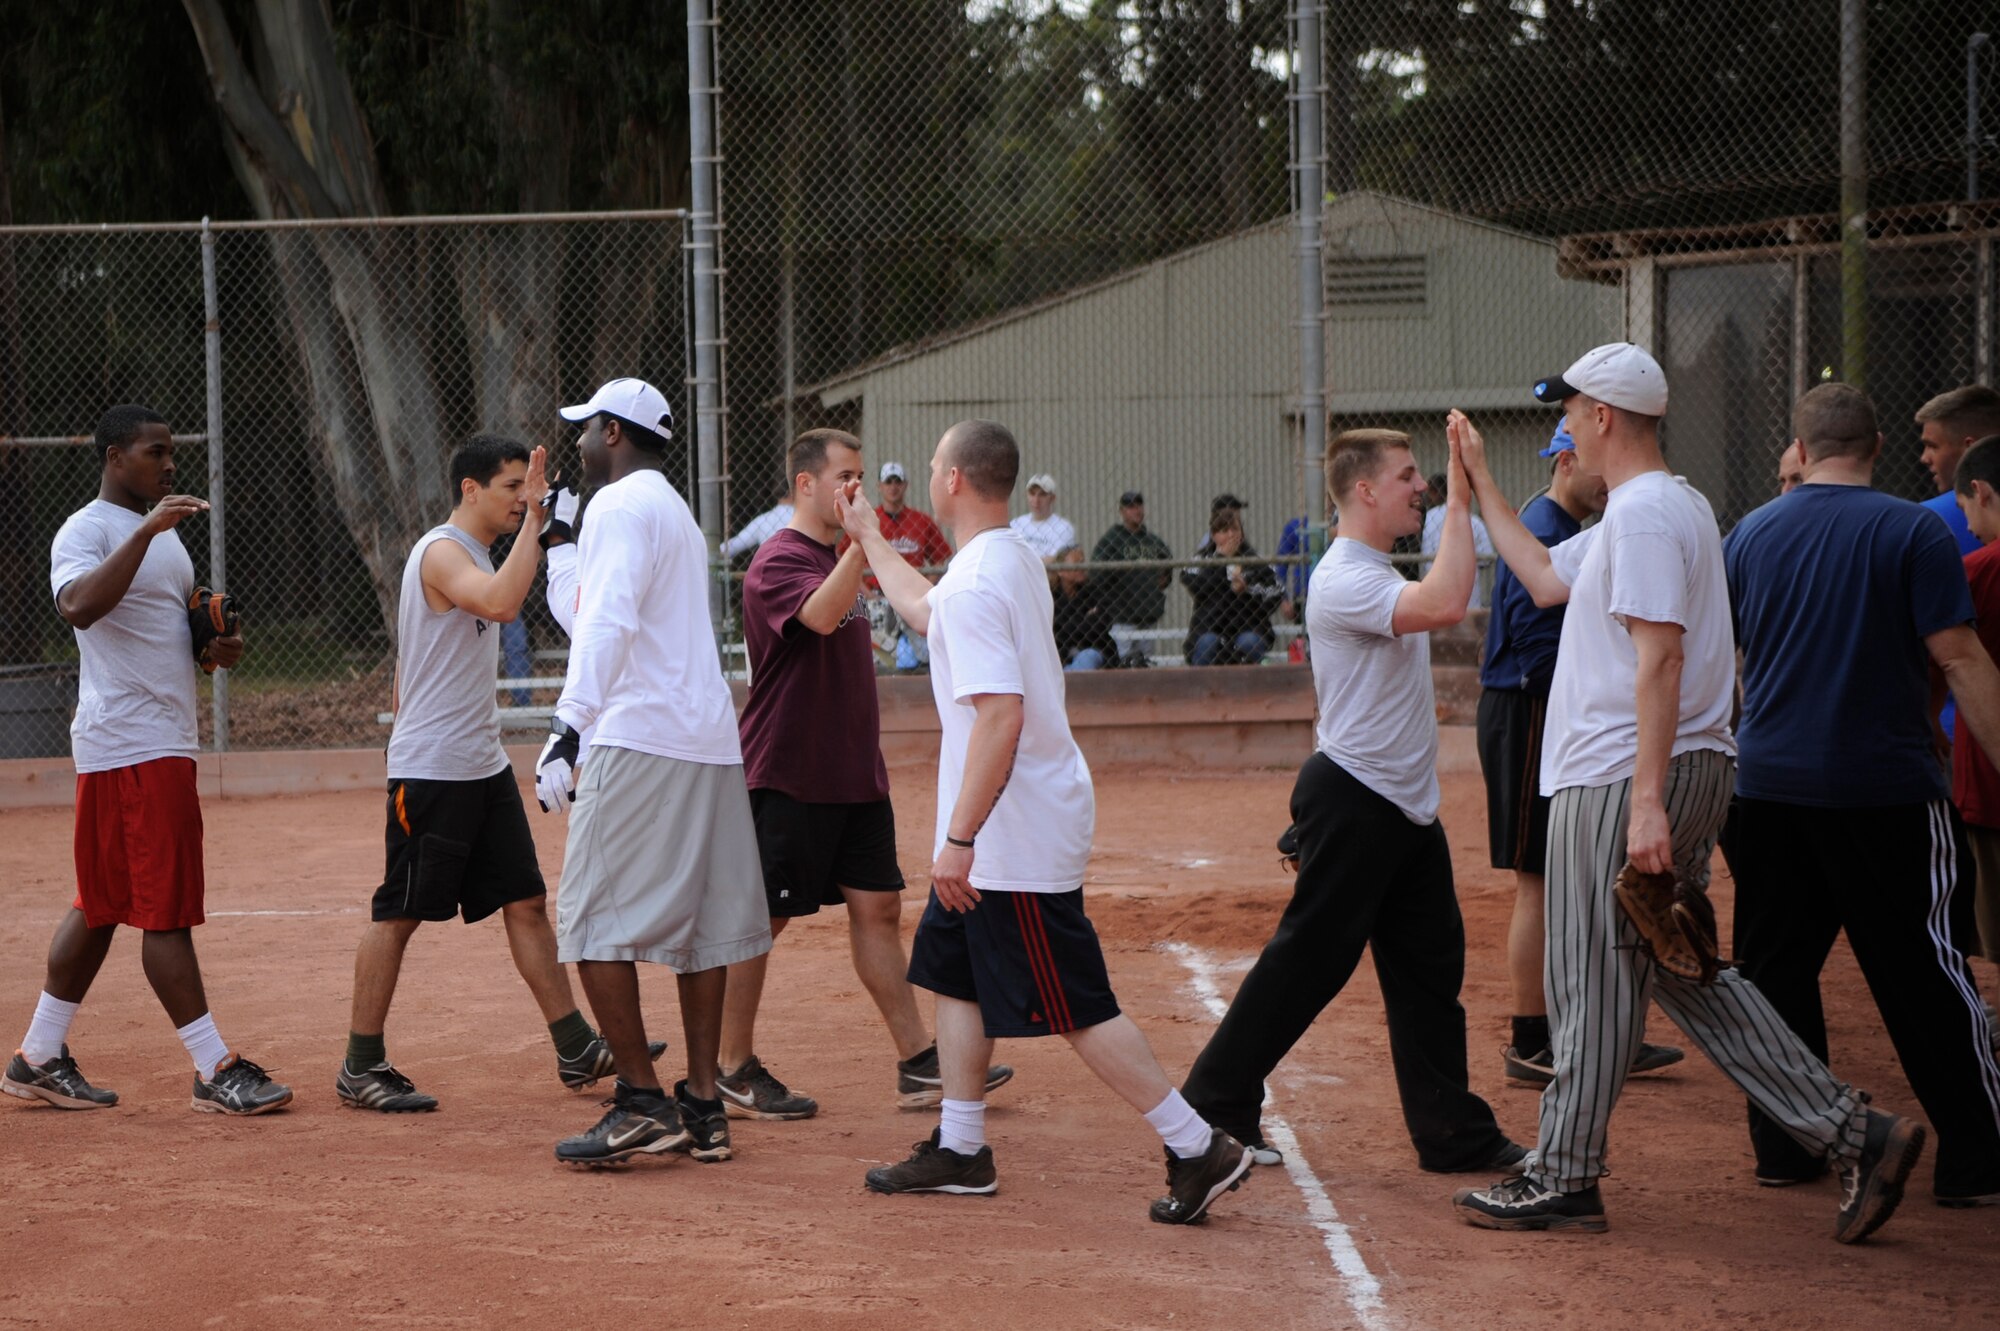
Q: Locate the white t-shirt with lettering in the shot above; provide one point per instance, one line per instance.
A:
(136, 688)
(990, 633)
(1377, 711)
(1657, 556)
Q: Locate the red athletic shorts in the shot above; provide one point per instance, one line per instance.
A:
(138, 846)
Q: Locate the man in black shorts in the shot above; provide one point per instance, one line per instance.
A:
(819, 791)
(458, 839)
(1519, 663)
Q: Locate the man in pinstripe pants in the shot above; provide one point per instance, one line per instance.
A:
(1843, 818)
(1638, 762)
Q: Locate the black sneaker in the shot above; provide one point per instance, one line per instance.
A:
(56, 1081)
(931, 1168)
(582, 1072)
(1534, 1069)
(1193, 1185)
(1874, 1183)
(1260, 1151)
(919, 1084)
(1521, 1203)
(752, 1092)
(1786, 1178)
(1508, 1158)
(381, 1088)
(708, 1129)
(239, 1087)
(1653, 1057)
(636, 1122)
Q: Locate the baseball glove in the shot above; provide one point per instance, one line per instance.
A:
(1676, 922)
(211, 615)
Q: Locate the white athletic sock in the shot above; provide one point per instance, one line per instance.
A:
(1185, 1132)
(204, 1044)
(48, 1030)
(962, 1127)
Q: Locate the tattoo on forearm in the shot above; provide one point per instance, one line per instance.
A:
(1005, 778)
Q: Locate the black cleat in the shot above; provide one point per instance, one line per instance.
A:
(1193, 1185)
(1507, 1158)
(1521, 1203)
(637, 1122)
(708, 1129)
(583, 1072)
(239, 1087)
(1536, 1068)
(1874, 1183)
(932, 1168)
(1260, 1151)
(381, 1088)
(752, 1092)
(56, 1081)
(919, 1084)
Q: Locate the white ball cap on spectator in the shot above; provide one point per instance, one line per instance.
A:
(1618, 374)
(632, 400)
(893, 471)
(1042, 481)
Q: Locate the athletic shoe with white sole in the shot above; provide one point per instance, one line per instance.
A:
(239, 1087)
(919, 1084)
(636, 1122)
(1521, 1203)
(1539, 1068)
(1193, 1184)
(708, 1129)
(595, 1062)
(1873, 1185)
(932, 1168)
(56, 1081)
(382, 1089)
(752, 1092)
(1261, 1152)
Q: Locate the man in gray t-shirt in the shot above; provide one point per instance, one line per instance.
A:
(458, 840)
(1374, 870)
(122, 579)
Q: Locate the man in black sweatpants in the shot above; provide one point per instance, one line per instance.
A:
(1374, 867)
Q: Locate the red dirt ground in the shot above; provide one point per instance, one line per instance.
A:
(150, 1216)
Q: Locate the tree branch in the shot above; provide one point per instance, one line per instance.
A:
(266, 145)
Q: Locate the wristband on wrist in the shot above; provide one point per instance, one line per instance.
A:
(951, 840)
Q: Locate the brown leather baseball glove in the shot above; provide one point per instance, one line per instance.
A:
(211, 615)
(1676, 922)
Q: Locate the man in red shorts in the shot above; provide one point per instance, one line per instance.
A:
(122, 580)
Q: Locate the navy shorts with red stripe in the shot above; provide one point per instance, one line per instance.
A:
(1030, 960)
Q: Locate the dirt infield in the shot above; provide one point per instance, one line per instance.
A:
(150, 1216)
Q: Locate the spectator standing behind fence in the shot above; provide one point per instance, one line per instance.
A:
(1233, 603)
(1136, 598)
(1482, 544)
(1082, 616)
(917, 539)
(1046, 531)
(760, 528)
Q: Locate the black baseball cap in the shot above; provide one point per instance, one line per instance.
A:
(1131, 497)
(1226, 500)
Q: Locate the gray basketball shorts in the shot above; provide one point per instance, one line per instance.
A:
(661, 865)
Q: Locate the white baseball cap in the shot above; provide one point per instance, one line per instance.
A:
(632, 400)
(1041, 480)
(893, 471)
(1617, 373)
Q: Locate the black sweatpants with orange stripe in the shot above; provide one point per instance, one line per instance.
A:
(1368, 877)
(1030, 960)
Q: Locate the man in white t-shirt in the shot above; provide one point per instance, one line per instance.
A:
(1004, 942)
(1638, 762)
(1047, 532)
(661, 863)
(122, 579)
(1374, 865)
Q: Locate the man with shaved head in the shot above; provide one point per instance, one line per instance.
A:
(1004, 942)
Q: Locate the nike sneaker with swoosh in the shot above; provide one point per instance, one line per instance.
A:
(636, 1122)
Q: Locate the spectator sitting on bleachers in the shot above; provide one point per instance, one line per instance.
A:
(1232, 604)
(1046, 531)
(1082, 619)
(1137, 599)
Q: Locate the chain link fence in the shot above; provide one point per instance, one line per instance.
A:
(349, 361)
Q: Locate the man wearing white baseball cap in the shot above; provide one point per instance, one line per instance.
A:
(1046, 531)
(1639, 763)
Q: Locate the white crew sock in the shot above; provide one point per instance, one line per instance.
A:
(1185, 1132)
(204, 1045)
(962, 1127)
(48, 1030)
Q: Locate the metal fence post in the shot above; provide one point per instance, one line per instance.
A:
(1309, 126)
(1854, 193)
(218, 567)
(707, 378)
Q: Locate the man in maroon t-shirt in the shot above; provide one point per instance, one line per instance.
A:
(819, 791)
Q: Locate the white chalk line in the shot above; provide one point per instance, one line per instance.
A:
(1362, 1290)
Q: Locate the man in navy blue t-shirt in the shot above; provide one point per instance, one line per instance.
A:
(1843, 597)
(1514, 675)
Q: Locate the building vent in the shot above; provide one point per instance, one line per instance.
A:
(1377, 284)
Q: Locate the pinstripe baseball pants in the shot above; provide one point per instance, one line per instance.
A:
(1599, 985)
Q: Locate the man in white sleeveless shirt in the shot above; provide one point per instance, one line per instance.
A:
(458, 839)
